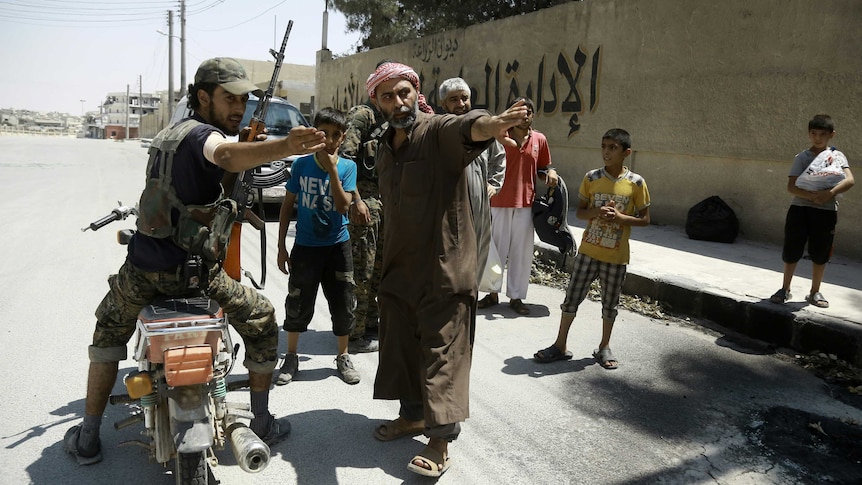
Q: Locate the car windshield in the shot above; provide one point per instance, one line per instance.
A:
(280, 118)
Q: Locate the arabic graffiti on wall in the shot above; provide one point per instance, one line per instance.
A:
(557, 86)
(431, 48)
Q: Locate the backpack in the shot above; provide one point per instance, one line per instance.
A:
(712, 220)
(549, 218)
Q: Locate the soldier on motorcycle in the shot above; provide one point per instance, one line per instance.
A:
(161, 255)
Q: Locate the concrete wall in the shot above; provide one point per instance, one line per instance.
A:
(717, 95)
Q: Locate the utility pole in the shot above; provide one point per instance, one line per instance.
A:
(182, 48)
(325, 32)
(140, 103)
(170, 64)
(128, 102)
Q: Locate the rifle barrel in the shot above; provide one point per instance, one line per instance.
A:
(263, 104)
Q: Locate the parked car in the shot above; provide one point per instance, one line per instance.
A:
(281, 117)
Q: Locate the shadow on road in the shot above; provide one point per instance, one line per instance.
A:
(324, 441)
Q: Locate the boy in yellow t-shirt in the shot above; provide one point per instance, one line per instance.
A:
(612, 199)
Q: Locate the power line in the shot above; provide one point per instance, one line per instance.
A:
(243, 22)
(86, 14)
(202, 9)
(76, 23)
(114, 4)
(69, 14)
(29, 7)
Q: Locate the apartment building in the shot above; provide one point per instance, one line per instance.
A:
(120, 111)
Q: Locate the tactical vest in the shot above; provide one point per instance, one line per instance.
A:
(202, 230)
(367, 152)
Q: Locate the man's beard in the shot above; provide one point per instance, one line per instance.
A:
(407, 121)
(221, 126)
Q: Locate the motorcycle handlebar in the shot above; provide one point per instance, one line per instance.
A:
(118, 214)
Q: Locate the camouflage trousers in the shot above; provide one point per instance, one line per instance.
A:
(367, 245)
(249, 312)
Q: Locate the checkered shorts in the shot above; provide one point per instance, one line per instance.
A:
(611, 277)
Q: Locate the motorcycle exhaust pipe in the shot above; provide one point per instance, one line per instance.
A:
(251, 453)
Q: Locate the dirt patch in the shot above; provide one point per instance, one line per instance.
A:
(816, 449)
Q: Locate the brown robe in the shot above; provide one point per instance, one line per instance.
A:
(428, 291)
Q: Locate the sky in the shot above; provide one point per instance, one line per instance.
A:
(66, 56)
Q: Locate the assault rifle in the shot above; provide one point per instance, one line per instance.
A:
(241, 183)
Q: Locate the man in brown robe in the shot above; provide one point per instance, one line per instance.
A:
(427, 293)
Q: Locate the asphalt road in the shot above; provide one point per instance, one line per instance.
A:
(687, 405)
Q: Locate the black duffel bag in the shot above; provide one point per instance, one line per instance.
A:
(712, 220)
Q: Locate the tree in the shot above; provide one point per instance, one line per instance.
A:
(385, 22)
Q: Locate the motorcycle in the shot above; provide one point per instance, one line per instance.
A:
(184, 353)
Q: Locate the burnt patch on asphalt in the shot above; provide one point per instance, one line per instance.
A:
(813, 448)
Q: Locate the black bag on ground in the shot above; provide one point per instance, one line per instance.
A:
(712, 220)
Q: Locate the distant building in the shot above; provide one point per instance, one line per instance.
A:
(8, 118)
(120, 111)
(34, 123)
(50, 124)
(295, 83)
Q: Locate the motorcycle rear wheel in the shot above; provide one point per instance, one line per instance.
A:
(191, 468)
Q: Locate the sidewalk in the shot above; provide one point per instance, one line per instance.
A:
(730, 284)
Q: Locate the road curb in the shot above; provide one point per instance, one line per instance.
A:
(760, 319)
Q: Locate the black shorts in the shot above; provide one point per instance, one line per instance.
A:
(326, 267)
(809, 225)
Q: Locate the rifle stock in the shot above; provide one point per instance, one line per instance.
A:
(240, 183)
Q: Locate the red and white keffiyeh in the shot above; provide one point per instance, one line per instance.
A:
(388, 71)
(395, 70)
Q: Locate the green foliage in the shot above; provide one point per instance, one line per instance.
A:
(386, 22)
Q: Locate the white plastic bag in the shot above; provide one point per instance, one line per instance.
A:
(492, 277)
(824, 172)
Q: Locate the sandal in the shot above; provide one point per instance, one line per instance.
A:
(488, 301)
(390, 430)
(70, 445)
(437, 463)
(606, 358)
(817, 300)
(780, 296)
(519, 307)
(551, 354)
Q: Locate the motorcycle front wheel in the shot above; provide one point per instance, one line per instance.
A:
(191, 468)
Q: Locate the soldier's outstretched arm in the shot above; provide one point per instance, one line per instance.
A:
(240, 156)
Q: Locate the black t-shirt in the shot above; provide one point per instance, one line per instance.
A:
(197, 181)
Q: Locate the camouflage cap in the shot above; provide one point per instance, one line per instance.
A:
(228, 73)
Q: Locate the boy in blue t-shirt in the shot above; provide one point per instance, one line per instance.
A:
(321, 186)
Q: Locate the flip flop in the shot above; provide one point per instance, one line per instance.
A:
(604, 357)
(817, 300)
(434, 459)
(551, 354)
(390, 430)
